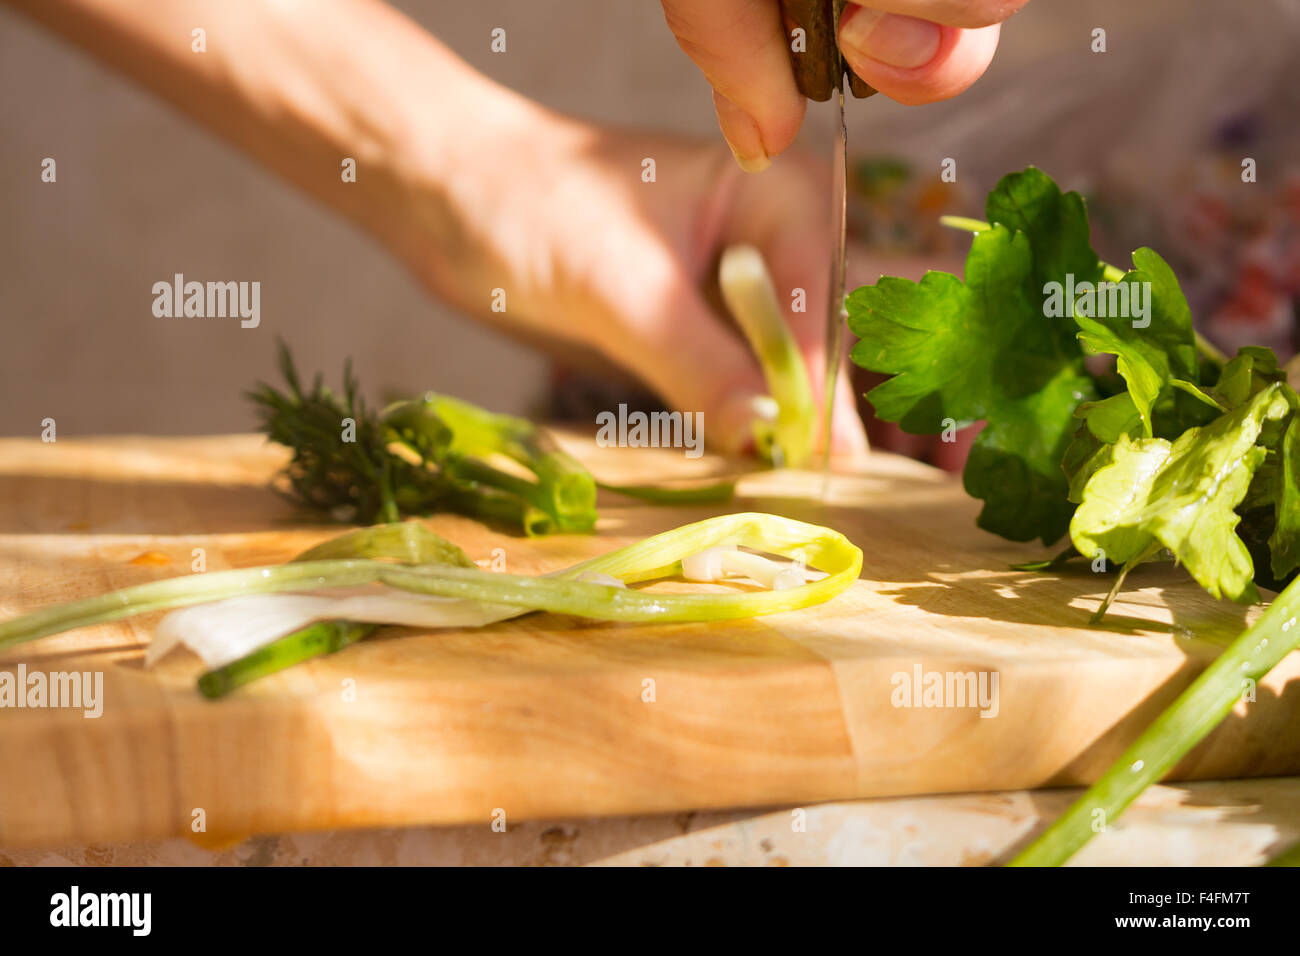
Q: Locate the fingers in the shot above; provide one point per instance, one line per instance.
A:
(968, 14)
(663, 330)
(848, 434)
(913, 51)
(670, 335)
(913, 60)
(741, 48)
(798, 255)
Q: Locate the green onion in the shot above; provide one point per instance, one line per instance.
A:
(564, 489)
(1288, 857)
(747, 289)
(655, 557)
(323, 637)
(1196, 712)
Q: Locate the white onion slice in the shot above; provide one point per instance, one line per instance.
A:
(716, 564)
(225, 631)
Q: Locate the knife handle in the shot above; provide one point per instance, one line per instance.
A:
(818, 68)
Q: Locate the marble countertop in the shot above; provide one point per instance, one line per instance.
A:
(1216, 823)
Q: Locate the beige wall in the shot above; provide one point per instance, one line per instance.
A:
(142, 194)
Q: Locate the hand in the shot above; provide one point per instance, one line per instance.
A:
(913, 51)
(479, 189)
(587, 251)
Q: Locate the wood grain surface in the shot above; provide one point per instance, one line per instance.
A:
(544, 717)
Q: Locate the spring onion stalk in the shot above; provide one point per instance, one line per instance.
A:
(564, 488)
(535, 503)
(323, 637)
(231, 635)
(1196, 712)
(563, 498)
(407, 542)
(1288, 857)
(748, 292)
(224, 632)
(1204, 347)
(499, 508)
(219, 632)
(655, 557)
(185, 591)
(564, 593)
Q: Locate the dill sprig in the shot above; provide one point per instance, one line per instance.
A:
(428, 455)
(342, 461)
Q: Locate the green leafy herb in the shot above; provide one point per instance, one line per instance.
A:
(429, 455)
(1181, 496)
(1167, 462)
(1197, 455)
(1284, 542)
(961, 351)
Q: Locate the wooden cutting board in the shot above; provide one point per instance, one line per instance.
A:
(547, 716)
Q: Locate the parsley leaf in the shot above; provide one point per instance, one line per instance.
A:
(1193, 454)
(1015, 462)
(1253, 369)
(949, 345)
(1181, 495)
(1154, 353)
(1284, 542)
(986, 349)
(1055, 223)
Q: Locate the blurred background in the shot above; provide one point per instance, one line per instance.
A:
(1152, 131)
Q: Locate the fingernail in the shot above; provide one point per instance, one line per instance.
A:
(889, 38)
(741, 133)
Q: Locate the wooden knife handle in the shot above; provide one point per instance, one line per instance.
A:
(860, 88)
(818, 66)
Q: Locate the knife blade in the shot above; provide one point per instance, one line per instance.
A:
(820, 72)
(835, 317)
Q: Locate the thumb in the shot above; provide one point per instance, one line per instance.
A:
(668, 335)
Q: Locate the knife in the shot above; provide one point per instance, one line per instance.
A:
(819, 72)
